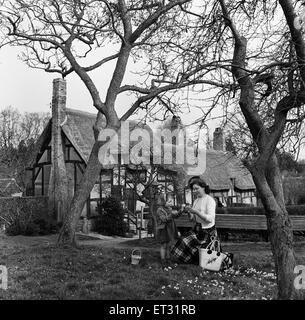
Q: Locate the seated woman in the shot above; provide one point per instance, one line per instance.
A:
(203, 213)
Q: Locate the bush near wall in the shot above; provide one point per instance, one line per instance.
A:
(26, 216)
(110, 221)
(292, 210)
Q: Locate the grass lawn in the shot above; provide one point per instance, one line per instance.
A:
(37, 269)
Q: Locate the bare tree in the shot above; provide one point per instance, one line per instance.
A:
(18, 135)
(245, 54)
(265, 168)
(9, 128)
(255, 62)
(59, 36)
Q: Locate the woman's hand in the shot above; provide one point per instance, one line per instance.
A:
(187, 208)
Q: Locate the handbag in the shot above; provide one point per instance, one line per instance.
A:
(211, 258)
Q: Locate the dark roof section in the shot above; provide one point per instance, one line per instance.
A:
(78, 127)
(223, 169)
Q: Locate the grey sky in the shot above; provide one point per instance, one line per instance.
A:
(30, 90)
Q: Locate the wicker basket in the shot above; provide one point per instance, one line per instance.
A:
(136, 256)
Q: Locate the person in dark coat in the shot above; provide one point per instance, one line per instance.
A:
(166, 230)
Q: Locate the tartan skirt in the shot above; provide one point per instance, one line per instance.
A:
(186, 248)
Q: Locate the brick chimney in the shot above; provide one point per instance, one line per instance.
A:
(59, 100)
(218, 140)
(58, 186)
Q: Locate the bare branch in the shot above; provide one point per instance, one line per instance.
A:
(153, 18)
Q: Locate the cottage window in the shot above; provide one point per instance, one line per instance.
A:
(166, 178)
(116, 176)
(93, 208)
(136, 176)
(106, 183)
(95, 192)
(161, 177)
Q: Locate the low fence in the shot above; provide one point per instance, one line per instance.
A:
(296, 210)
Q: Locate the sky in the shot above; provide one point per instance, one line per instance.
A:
(30, 90)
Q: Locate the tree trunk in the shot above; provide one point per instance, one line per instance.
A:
(152, 208)
(179, 184)
(67, 233)
(281, 238)
(279, 228)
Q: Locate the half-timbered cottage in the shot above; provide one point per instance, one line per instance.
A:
(63, 151)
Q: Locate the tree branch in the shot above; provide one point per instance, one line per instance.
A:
(246, 101)
(153, 18)
(101, 62)
(296, 35)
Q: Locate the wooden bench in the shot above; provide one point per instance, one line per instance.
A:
(226, 222)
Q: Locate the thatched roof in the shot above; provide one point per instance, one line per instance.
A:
(223, 169)
(220, 166)
(78, 128)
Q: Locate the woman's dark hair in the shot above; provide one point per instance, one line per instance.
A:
(197, 180)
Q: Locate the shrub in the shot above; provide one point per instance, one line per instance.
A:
(111, 218)
(296, 210)
(301, 200)
(46, 225)
(31, 227)
(26, 216)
